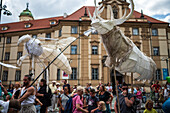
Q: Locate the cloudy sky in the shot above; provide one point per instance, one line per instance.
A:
(159, 9)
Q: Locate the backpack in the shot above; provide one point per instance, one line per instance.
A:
(69, 105)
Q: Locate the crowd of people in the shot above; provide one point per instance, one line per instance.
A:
(42, 98)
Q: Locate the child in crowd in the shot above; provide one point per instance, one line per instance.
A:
(101, 108)
(149, 107)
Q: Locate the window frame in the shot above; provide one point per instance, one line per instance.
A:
(19, 54)
(60, 33)
(93, 52)
(156, 33)
(74, 74)
(135, 32)
(75, 31)
(8, 40)
(7, 57)
(93, 76)
(6, 77)
(48, 34)
(157, 52)
(74, 49)
(16, 76)
(158, 73)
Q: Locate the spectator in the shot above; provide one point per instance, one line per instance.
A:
(149, 107)
(139, 97)
(106, 97)
(126, 101)
(75, 86)
(0, 90)
(11, 88)
(27, 99)
(166, 93)
(109, 88)
(53, 99)
(16, 91)
(86, 96)
(119, 87)
(58, 93)
(156, 87)
(64, 98)
(7, 95)
(101, 107)
(44, 94)
(66, 84)
(78, 102)
(92, 101)
(88, 86)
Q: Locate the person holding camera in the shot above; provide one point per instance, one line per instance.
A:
(126, 101)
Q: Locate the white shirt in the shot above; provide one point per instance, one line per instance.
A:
(165, 92)
(28, 100)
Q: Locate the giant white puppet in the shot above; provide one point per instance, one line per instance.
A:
(123, 54)
(35, 48)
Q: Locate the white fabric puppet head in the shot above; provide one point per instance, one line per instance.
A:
(103, 26)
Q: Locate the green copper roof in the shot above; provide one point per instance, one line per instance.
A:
(26, 12)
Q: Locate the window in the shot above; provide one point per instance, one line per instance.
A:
(94, 73)
(18, 75)
(73, 49)
(19, 54)
(34, 36)
(60, 32)
(5, 76)
(155, 32)
(94, 50)
(8, 40)
(48, 35)
(27, 25)
(74, 30)
(58, 74)
(4, 28)
(7, 55)
(156, 51)
(52, 22)
(74, 74)
(135, 31)
(158, 74)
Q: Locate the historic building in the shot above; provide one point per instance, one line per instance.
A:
(87, 54)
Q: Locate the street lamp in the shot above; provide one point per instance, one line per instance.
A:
(6, 12)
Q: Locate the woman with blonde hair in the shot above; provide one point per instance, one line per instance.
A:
(149, 107)
(16, 91)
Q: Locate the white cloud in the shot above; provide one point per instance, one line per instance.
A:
(166, 19)
(52, 8)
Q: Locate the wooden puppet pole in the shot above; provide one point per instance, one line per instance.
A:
(132, 82)
(117, 91)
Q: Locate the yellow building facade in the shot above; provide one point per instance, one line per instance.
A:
(87, 54)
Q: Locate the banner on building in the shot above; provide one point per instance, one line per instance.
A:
(165, 73)
(65, 76)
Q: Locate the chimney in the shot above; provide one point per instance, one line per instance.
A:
(142, 16)
(85, 13)
(65, 15)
